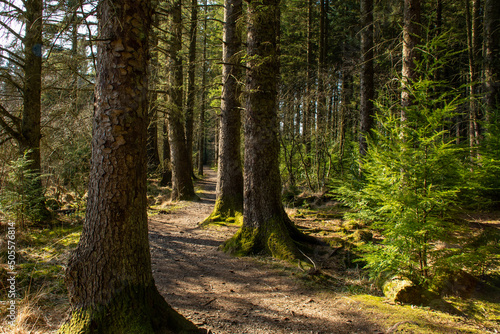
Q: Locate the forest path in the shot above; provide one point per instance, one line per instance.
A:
(231, 295)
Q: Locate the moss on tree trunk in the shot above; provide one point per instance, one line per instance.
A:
(266, 227)
(135, 310)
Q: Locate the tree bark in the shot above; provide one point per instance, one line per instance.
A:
(309, 107)
(109, 279)
(152, 141)
(473, 41)
(411, 33)
(182, 183)
(191, 93)
(366, 84)
(229, 202)
(266, 227)
(30, 130)
(201, 143)
(492, 60)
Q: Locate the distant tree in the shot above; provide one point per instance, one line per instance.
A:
(191, 87)
(152, 142)
(25, 129)
(367, 84)
(109, 279)
(182, 184)
(229, 202)
(492, 60)
(266, 227)
(411, 36)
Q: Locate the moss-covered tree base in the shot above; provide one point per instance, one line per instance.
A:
(134, 311)
(278, 238)
(225, 213)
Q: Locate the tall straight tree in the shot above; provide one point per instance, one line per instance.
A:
(474, 48)
(266, 227)
(26, 129)
(109, 278)
(191, 88)
(229, 201)
(201, 137)
(492, 60)
(411, 33)
(366, 84)
(182, 184)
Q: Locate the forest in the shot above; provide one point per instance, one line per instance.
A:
(249, 166)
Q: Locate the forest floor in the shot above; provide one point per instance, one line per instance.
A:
(259, 295)
(251, 295)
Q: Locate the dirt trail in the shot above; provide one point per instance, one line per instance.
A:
(238, 295)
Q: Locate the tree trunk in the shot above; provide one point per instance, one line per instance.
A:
(474, 48)
(109, 278)
(229, 203)
(166, 175)
(30, 131)
(266, 227)
(492, 60)
(182, 183)
(152, 142)
(411, 33)
(191, 93)
(309, 108)
(367, 84)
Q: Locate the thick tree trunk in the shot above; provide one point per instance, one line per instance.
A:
(266, 227)
(30, 131)
(191, 93)
(109, 278)
(229, 203)
(492, 58)
(182, 183)
(411, 33)
(367, 84)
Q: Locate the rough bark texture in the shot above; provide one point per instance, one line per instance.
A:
(367, 84)
(492, 59)
(109, 278)
(266, 227)
(229, 203)
(411, 33)
(191, 93)
(30, 130)
(182, 184)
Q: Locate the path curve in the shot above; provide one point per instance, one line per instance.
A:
(237, 295)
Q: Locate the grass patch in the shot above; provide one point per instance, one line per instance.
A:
(41, 295)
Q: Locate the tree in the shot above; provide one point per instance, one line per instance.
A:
(266, 227)
(411, 33)
(109, 278)
(191, 93)
(229, 202)
(26, 129)
(152, 142)
(367, 85)
(182, 184)
(492, 61)
(474, 48)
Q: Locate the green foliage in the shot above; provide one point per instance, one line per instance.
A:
(413, 173)
(21, 199)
